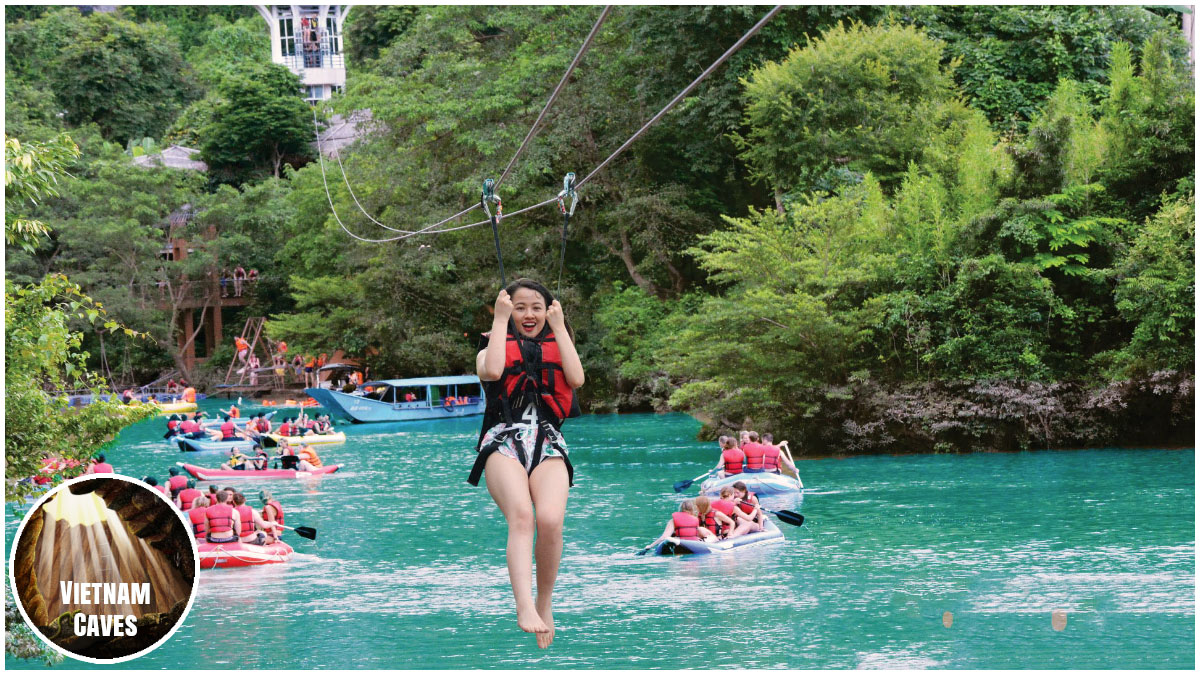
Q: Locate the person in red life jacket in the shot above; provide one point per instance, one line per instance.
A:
(213, 495)
(285, 429)
(776, 455)
(754, 452)
(176, 482)
(726, 507)
(530, 371)
(686, 524)
(191, 429)
(272, 515)
(253, 529)
(732, 460)
(749, 517)
(718, 522)
(187, 497)
(223, 521)
(260, 459)
(196, 515)
(172, 425)
(153, 482)
(288, 459)
(263, 425)
(100, 466)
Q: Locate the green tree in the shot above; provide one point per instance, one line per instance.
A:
(1156, 293)
(128, 78)
(865, 98)
(258, 121)
(31, 174)
(1011, 58)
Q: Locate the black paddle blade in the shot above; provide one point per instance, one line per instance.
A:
(683, 485)
(267, 442)
(311, 533)
(790, 517)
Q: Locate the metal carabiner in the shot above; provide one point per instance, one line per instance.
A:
(568, 191)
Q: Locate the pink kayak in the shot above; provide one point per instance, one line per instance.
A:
(237, 554)
(202, 473)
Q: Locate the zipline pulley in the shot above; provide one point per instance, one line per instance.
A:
(489, 195)
(567, 191)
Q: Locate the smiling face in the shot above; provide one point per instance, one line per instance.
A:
(529, 311)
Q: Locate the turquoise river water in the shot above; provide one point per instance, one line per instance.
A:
(408, 569)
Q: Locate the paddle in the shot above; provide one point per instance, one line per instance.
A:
(685, 484)
(789, 517)
(306, 532)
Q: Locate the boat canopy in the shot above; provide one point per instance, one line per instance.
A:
(425, 381)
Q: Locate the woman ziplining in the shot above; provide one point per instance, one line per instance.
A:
(530, 371)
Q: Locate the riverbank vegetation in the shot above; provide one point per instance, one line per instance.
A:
(873, 229)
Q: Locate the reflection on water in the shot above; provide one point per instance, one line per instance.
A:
(408, 567)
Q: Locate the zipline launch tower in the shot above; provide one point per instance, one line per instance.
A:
(308, 40)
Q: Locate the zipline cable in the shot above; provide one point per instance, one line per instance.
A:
(553, 95)
(512, 162)
(329, 197)
(430, 229)
(728, 52)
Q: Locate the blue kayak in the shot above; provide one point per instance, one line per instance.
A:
(762, 483)
(204, 445)
(771, 534)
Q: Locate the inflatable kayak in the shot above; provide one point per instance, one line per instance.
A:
(759, 483)
(315, 439)
(675, 546)
(202, 473)
(208, 445)
(177, 407)
(237, 554)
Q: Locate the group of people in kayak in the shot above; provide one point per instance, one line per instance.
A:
(750, 454)
(254, 428)
(300, 457)
(223, 516)
(734, 513)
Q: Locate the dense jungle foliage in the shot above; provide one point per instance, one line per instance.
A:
(872, 229)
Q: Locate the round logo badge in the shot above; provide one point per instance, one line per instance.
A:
(104, 568)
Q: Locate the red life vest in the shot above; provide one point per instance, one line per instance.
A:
(754, 457)
(278, 512)
(186, 497)
(162, 489)
(284, 429)
(718, 505)
(102, 467)
(199, 523)
(247, 515)
(189, 426)
(176, 483)
(733, 459)
(263, 425)
(171, 424)
(227, 430)
(686, 525)
(771, 458)
(543, 378)
(745, 504)
(220, 518)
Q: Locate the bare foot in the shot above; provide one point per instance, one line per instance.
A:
(545, 639)
(529, 621)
